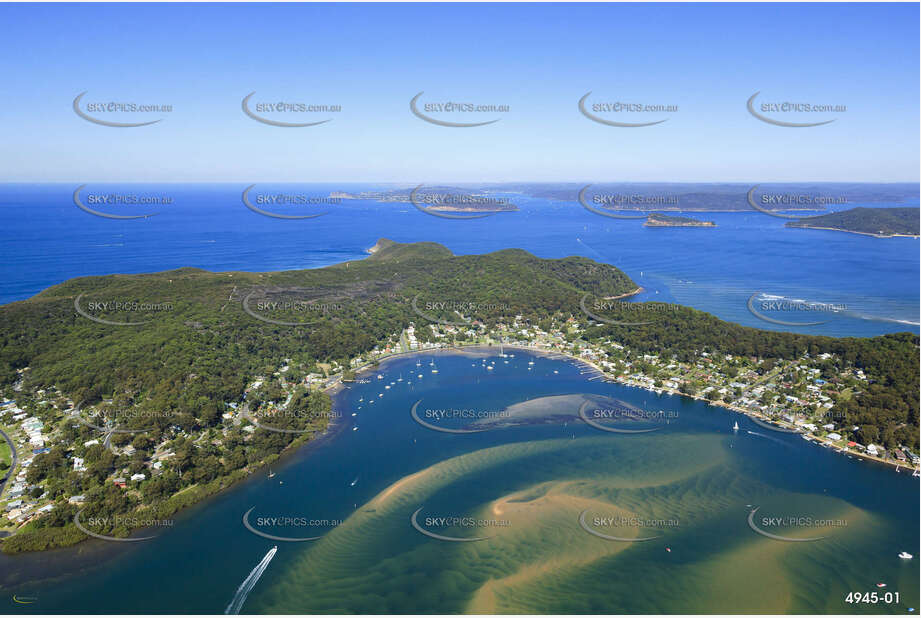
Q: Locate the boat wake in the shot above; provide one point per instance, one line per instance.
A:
(771, 438)
(249, 583)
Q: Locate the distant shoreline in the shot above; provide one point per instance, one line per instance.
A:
(838, 229)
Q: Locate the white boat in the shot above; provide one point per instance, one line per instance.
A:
(380, 377)
(352, 484)
(271, 474)
(489, 367)
(905, 555)
(735, 426)
(387, 386)
(419, 376)
(354, 428)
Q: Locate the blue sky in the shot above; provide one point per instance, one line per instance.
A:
(538, 59)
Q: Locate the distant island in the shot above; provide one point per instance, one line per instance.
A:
(648, 196)
(879, 222)
(660, 220)
(437, 198)
(719, 197)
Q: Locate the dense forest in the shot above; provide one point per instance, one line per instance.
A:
(192, 359)
(882, 221)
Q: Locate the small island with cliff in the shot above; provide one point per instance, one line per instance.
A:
(660, 220)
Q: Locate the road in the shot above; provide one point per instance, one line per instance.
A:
(13, 463)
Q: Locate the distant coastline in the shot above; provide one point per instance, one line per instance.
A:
(838, 229)
(876, 222)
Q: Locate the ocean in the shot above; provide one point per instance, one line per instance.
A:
(871, 282)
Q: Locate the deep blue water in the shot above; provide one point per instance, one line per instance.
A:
(47, 239)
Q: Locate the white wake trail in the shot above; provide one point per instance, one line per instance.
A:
(249, 583)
